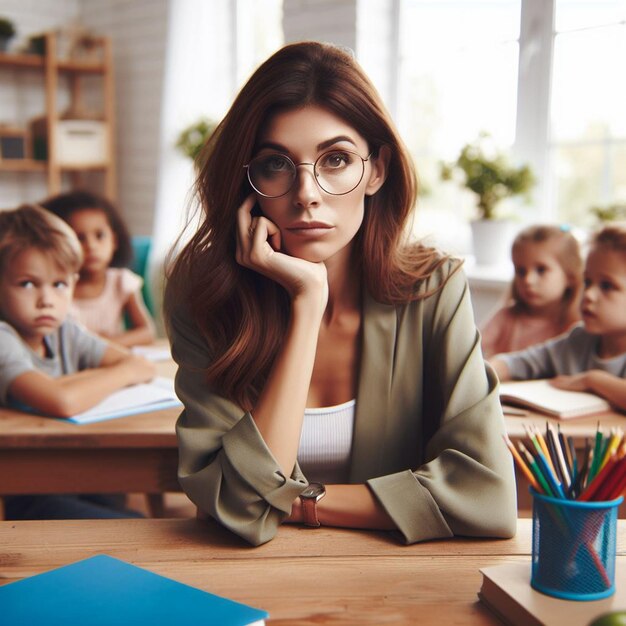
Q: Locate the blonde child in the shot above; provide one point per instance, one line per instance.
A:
(592, 356)
(544, 294)
(106, 291)
(49, 363)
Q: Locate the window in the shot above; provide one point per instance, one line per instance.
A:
(560, 107)
(588, 138)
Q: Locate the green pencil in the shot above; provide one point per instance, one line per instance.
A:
(537, 473)
(597, 451)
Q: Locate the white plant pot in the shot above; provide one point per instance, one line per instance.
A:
(492, 241)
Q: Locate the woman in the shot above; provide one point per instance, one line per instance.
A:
(312, 343)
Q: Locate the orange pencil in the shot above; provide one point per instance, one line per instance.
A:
(520, 463)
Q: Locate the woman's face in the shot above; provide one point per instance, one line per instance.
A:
(315, 225)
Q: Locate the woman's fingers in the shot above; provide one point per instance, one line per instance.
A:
(244, 225)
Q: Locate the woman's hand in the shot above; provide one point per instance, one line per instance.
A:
(258, 248)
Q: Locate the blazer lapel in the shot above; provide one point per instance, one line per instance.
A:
(374, 389)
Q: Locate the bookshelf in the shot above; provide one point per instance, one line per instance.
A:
(51, 126)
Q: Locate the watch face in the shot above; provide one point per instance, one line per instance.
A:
(314, 490)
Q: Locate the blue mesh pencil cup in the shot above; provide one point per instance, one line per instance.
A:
(574, 544)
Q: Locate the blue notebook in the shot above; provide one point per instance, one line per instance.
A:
(104, 591)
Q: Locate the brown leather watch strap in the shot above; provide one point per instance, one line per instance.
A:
(309, 512)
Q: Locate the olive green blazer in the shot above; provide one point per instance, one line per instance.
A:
(427, 435)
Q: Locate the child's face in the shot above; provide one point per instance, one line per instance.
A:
(539, 278)
(96, 237)
(604, 297)
(35, 295)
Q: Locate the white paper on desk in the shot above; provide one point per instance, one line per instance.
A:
(153, 353)
(158, 394)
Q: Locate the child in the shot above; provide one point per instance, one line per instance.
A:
(592, 357)
(49, 363)
(106, 289)
(544, 293)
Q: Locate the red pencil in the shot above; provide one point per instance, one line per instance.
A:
(599, 480)
(613, 486)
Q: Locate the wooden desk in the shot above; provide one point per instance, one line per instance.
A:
(577, 427)
(303, 576)
(130, 454)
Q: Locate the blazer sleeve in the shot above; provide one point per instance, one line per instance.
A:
(466, 485)
(224, 465)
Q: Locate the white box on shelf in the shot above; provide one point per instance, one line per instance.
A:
(81, 142)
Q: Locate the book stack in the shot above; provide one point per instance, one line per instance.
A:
(506, 591)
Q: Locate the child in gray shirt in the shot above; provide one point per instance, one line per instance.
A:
(49, 364)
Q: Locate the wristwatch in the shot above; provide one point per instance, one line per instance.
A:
(309, 498)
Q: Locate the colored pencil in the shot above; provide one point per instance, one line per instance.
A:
(520, 463)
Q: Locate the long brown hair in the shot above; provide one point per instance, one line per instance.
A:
(241, 314)
(567, 253)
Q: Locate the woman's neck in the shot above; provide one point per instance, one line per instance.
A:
(344, 285)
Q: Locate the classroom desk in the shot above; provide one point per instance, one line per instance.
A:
(303, 576)
(129, 454)
(577, 427)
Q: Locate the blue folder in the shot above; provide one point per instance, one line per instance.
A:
(104, 591)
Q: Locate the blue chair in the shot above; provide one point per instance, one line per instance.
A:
(141, 253)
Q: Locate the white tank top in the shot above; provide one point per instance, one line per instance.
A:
(326, 443)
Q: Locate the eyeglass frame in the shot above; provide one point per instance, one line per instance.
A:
(315, 175)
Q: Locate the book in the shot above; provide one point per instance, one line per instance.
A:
(507, 592)
(153, 396)
(541, 396)
(105, 591)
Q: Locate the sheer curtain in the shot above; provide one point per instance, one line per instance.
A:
(198, 82)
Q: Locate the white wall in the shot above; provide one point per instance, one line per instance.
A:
(332, 21)
(138, 30)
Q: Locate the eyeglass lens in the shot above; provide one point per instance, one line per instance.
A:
(337, 172)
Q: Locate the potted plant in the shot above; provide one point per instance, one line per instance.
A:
(192, 139)
(487, 172)
(7, 30)
(609, 213)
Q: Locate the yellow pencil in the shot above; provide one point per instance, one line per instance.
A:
(544, 447)
(614, 442)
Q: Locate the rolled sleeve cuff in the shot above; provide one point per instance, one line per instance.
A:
(410, 506)
(246, 450)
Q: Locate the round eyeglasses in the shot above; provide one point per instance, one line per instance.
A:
(337, 172)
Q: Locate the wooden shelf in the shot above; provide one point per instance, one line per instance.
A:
(76, 73)
(36, 61)
(83, 167)
(81, 67)
(22, 165)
